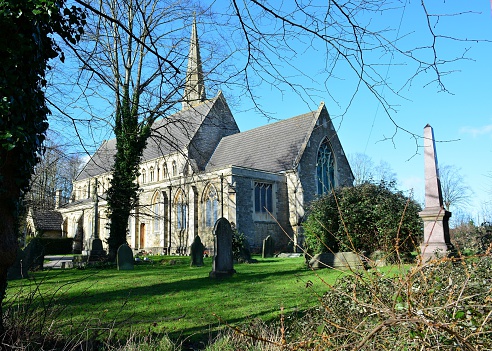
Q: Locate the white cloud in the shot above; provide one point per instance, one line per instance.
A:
(477, 131)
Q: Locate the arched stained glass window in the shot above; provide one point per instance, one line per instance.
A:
(181, 210)
(211, 207)
(156, 209)
(325, 168)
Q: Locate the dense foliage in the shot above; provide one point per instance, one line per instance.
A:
(366, 217)
(26, 46)
(443, 305)
(470, 239)
(131, 139)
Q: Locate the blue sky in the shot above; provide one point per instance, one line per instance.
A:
(461, 118)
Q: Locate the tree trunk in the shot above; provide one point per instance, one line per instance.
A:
(9, 201)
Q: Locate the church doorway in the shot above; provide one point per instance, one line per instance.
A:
(142, 235)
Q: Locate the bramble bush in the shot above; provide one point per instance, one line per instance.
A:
(363, 218)
(468, 238)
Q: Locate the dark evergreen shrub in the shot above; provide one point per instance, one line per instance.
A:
(363, 218)
(57, 246)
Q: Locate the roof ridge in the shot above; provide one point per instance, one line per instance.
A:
(271, 125)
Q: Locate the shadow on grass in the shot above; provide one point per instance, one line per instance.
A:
(178, 300)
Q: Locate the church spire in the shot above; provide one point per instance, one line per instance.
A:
(194, 91)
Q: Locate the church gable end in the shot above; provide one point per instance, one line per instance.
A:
(322, 163)
(218, 124)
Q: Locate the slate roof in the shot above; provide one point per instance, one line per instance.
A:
(47, 220)
(274, 147)
(169, 135)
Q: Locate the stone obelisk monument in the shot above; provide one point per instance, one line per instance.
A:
(434, 215)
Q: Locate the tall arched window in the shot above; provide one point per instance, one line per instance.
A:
(181, 210)
(174, 169)
(325, 168)
(156, 212)
(211, 206)
(151, 174)
(164, 171)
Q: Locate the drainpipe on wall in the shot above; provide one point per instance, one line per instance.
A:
(169, 223)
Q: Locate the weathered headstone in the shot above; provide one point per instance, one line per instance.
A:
(34, 255)
(435, 217)
(124, 258)
(268, 247)
(196, 250)
(97, 252)
(222, 265)
(337, 260)
(18, 270)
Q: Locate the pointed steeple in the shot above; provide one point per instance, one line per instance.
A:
(194, 91)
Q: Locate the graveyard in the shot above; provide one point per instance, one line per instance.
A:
(166, 295)
(276, 303)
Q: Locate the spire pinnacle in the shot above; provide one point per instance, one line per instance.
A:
(194, 91)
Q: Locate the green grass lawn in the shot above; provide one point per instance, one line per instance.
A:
(178, 300)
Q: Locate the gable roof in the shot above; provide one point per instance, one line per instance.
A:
(47, 220)
(274, 147)
(169, 134)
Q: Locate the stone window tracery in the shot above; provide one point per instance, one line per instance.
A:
(181, 211)
(325, 168)
(211, 207)
(263, 197)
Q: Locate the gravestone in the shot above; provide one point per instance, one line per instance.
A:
(34, 255)
(97, 252)
(222, 265)
(124, 258)
(18, 270)
(338, 260)
(268, 247)
(435, 217)
(196, 250)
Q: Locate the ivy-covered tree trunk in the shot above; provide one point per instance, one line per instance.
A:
(9, 203)
(123, 194)
(26, 45)
(125, 54)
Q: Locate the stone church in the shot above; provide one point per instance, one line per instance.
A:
(197, 167)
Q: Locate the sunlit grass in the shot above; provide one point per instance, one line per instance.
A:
(177, 299)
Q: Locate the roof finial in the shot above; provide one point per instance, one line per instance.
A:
(194, 91)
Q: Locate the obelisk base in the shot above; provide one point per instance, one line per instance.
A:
(436, 233)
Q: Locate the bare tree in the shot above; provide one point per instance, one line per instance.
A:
(366, 171)
(455, 191)
(133, 58)
(362, 168)
(56, 170)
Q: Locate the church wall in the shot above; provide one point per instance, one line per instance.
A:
(257, 226)
(166, 234)
(307, 165)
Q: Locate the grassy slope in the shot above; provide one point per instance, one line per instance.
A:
(175, 299)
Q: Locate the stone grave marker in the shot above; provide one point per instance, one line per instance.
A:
(339, 260)
(196, 250)
(124, 258)
(268, 247)
(97, 252)
(434, 215)
(34, 255)
(223, 265)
